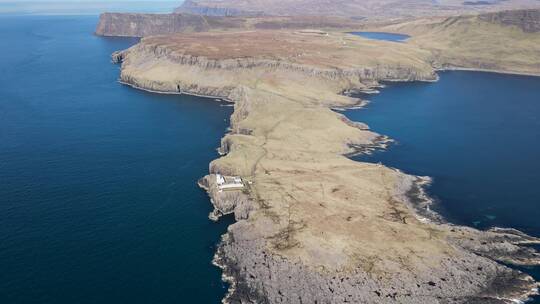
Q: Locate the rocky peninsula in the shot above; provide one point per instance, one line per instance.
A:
(312, 225)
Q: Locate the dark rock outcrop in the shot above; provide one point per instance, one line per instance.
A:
(263, 277)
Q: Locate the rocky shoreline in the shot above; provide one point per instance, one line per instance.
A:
(510, 287)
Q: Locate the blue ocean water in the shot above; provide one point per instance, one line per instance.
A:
(382, 36)
(477, 134)
(98, 194)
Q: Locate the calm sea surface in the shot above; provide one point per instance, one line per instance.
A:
(477, 134)
(98, 201)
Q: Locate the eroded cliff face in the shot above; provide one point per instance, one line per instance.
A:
(193, 7)
(141, 25)
(312, 225)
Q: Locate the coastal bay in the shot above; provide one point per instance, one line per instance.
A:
(474, 134)
(452, 130)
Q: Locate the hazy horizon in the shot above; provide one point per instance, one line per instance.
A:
(84, 7)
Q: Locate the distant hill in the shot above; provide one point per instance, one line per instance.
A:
(506, 41)
(527, 20)
(372, 9)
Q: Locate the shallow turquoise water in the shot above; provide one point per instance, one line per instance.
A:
(477, 134)
(382, 36)
(98, 200)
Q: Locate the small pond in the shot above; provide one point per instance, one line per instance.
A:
(382, 36)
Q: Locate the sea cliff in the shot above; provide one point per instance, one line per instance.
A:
(313, 225)
(193, 7)
(140, 25)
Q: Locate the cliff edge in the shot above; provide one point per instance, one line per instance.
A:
(143, 25)
(140, 25)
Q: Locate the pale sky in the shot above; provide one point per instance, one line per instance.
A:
(75, 1)
(85, 7)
